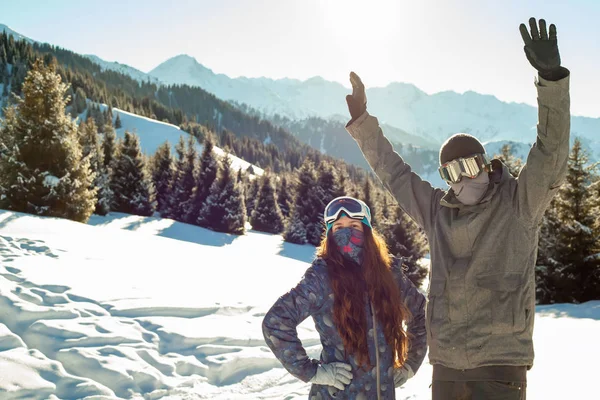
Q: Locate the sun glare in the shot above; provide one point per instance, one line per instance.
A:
(367, 35)
(362, 21)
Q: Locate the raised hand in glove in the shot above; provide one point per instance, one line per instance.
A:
(357, 101)
(541, 50)
(401, 375)
(335, 374)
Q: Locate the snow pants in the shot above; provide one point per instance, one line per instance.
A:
(478, 390)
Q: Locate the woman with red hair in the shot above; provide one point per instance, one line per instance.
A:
(360, 301)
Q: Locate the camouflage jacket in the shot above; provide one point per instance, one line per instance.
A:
(313, 296)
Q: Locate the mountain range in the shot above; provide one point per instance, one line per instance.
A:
(432, 118)
(312, 109)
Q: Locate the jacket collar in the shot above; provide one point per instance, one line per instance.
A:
(499, 174)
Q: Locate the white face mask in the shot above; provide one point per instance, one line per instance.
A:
(471, 191)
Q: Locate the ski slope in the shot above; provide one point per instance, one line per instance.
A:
(147, 308)
(154, 133)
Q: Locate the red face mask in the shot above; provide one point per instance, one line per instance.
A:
(350, 242)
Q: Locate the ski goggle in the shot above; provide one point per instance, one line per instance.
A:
(471, 167)
(352, 207)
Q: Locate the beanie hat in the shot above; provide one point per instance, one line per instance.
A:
(460, 145)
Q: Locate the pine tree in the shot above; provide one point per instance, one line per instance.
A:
(178, 168)
(513, 163)
(162, 177)
(118, 123)
(308, 204)
(79, 102)
(295, 231)
(91, 112)
(284, 199)
(574, 271)
(99, 116)
(19, 72)
(133, 187)
(251, 192)
(577, 239)
(266, 216)
(547, 269)
(404, 239)
(41, 171)
(5, 87)
(206, 177)
(326, 189)
(109, 146)
(105, 195)
(369, 200)
(385, 206)
(343, 180)
(108, 116)
(327, 180)
(3, 58)
(91, 150)
(185, 179)
(224, 209)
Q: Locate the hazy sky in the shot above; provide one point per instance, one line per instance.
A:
(438, 45)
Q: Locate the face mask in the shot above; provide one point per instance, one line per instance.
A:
(471, 191)
(350, 242)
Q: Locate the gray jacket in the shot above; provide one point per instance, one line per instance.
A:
(482, 287)
(313, 296)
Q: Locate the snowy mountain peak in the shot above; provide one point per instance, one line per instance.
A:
(184, 69)
(181, 61)
(183, 58)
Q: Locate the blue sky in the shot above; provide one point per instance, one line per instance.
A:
(439, 45)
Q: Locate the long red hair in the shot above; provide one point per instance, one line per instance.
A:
(351, 283)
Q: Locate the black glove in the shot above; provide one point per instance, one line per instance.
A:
(357, 101)
(542, 50)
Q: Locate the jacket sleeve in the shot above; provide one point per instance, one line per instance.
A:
(280, 322)
(546, 165)
(416, 196)
(415, 301)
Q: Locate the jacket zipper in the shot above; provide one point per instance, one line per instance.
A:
(376, 352)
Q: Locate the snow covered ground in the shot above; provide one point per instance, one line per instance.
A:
(133, 307)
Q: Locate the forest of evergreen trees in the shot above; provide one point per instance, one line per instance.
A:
(54, 165)
(255, 139)
(199, 189)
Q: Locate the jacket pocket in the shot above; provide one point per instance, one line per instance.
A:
(437, 311)
(500, 294)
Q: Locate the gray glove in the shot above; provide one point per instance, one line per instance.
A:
(401, 375)
(335, 374)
